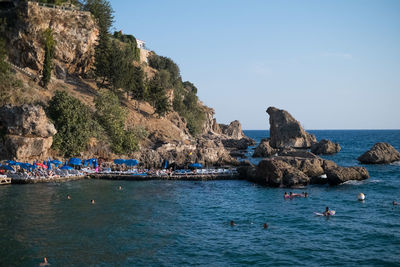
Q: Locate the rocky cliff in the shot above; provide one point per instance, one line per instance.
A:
(27, 134)
(75, 33)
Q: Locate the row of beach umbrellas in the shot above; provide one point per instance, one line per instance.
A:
(127, 162)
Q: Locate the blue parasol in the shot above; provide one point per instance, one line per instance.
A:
(68, 168)
(75, 161)
(131, 162)
(6, 167)
(119, 161)
(195, 165)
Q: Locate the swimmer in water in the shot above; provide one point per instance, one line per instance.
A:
(44, 263)
(286, 196)
(394, 203)
(232, 223)
(305, 194)
(119, 187)
(92, 201)
(68, 197)
(326, 212)
(265, 226)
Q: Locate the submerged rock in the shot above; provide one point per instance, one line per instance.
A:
(325, 147)
(286, 132)
(340, 175)
(380, 153)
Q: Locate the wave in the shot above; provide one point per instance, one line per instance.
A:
(396, 163)
(354, 182)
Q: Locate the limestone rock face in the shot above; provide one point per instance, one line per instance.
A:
(380, 153)
(286, 132)
(26, 120)
(340, 175)
(233, 130)
(325, 147)
(210, 125)
(205, 151)
(75, 33)
(28, 134)
(264, 149)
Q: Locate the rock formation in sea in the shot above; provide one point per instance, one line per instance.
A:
(264, 149)
(380, 153)
(297, 170)
(340, 175)
(325, 147)
(286, 132)
(26, 132)
(287, 161)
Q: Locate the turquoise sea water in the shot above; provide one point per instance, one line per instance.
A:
(169, 223)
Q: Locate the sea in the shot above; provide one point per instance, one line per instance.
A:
(186, 223)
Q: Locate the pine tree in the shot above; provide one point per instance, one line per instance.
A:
(49, 47)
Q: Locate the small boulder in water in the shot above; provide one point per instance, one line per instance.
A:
(264, 149)
(339, 175)
(325, 147)
(380, 153)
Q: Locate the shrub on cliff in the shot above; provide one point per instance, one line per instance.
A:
(112, 117)
(186, 104)
(164, 63)
(72, 121)
(185, 100)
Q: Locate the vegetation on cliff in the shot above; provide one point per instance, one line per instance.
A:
(185, 100)
(112, 117)
(49, 46)
(8, 83)
(121, 76)
(72, 121)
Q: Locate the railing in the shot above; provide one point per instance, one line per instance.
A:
(62, 7)
(24, 71)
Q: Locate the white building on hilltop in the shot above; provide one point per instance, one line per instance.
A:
(141, 44)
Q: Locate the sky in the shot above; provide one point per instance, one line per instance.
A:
(331, 64)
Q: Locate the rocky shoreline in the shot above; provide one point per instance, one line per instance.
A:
(288, 156)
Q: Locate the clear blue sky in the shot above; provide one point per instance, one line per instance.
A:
(331, 64)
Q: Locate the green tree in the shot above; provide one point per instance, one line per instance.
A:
(112, 117)
(102, 59)
(4, 66)
(72, 121)
(135, 85)
(49, 47)
(130, 41)
(157, 96)
(164, 63)
(103, 13)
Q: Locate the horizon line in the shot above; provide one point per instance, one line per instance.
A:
(383, 129)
